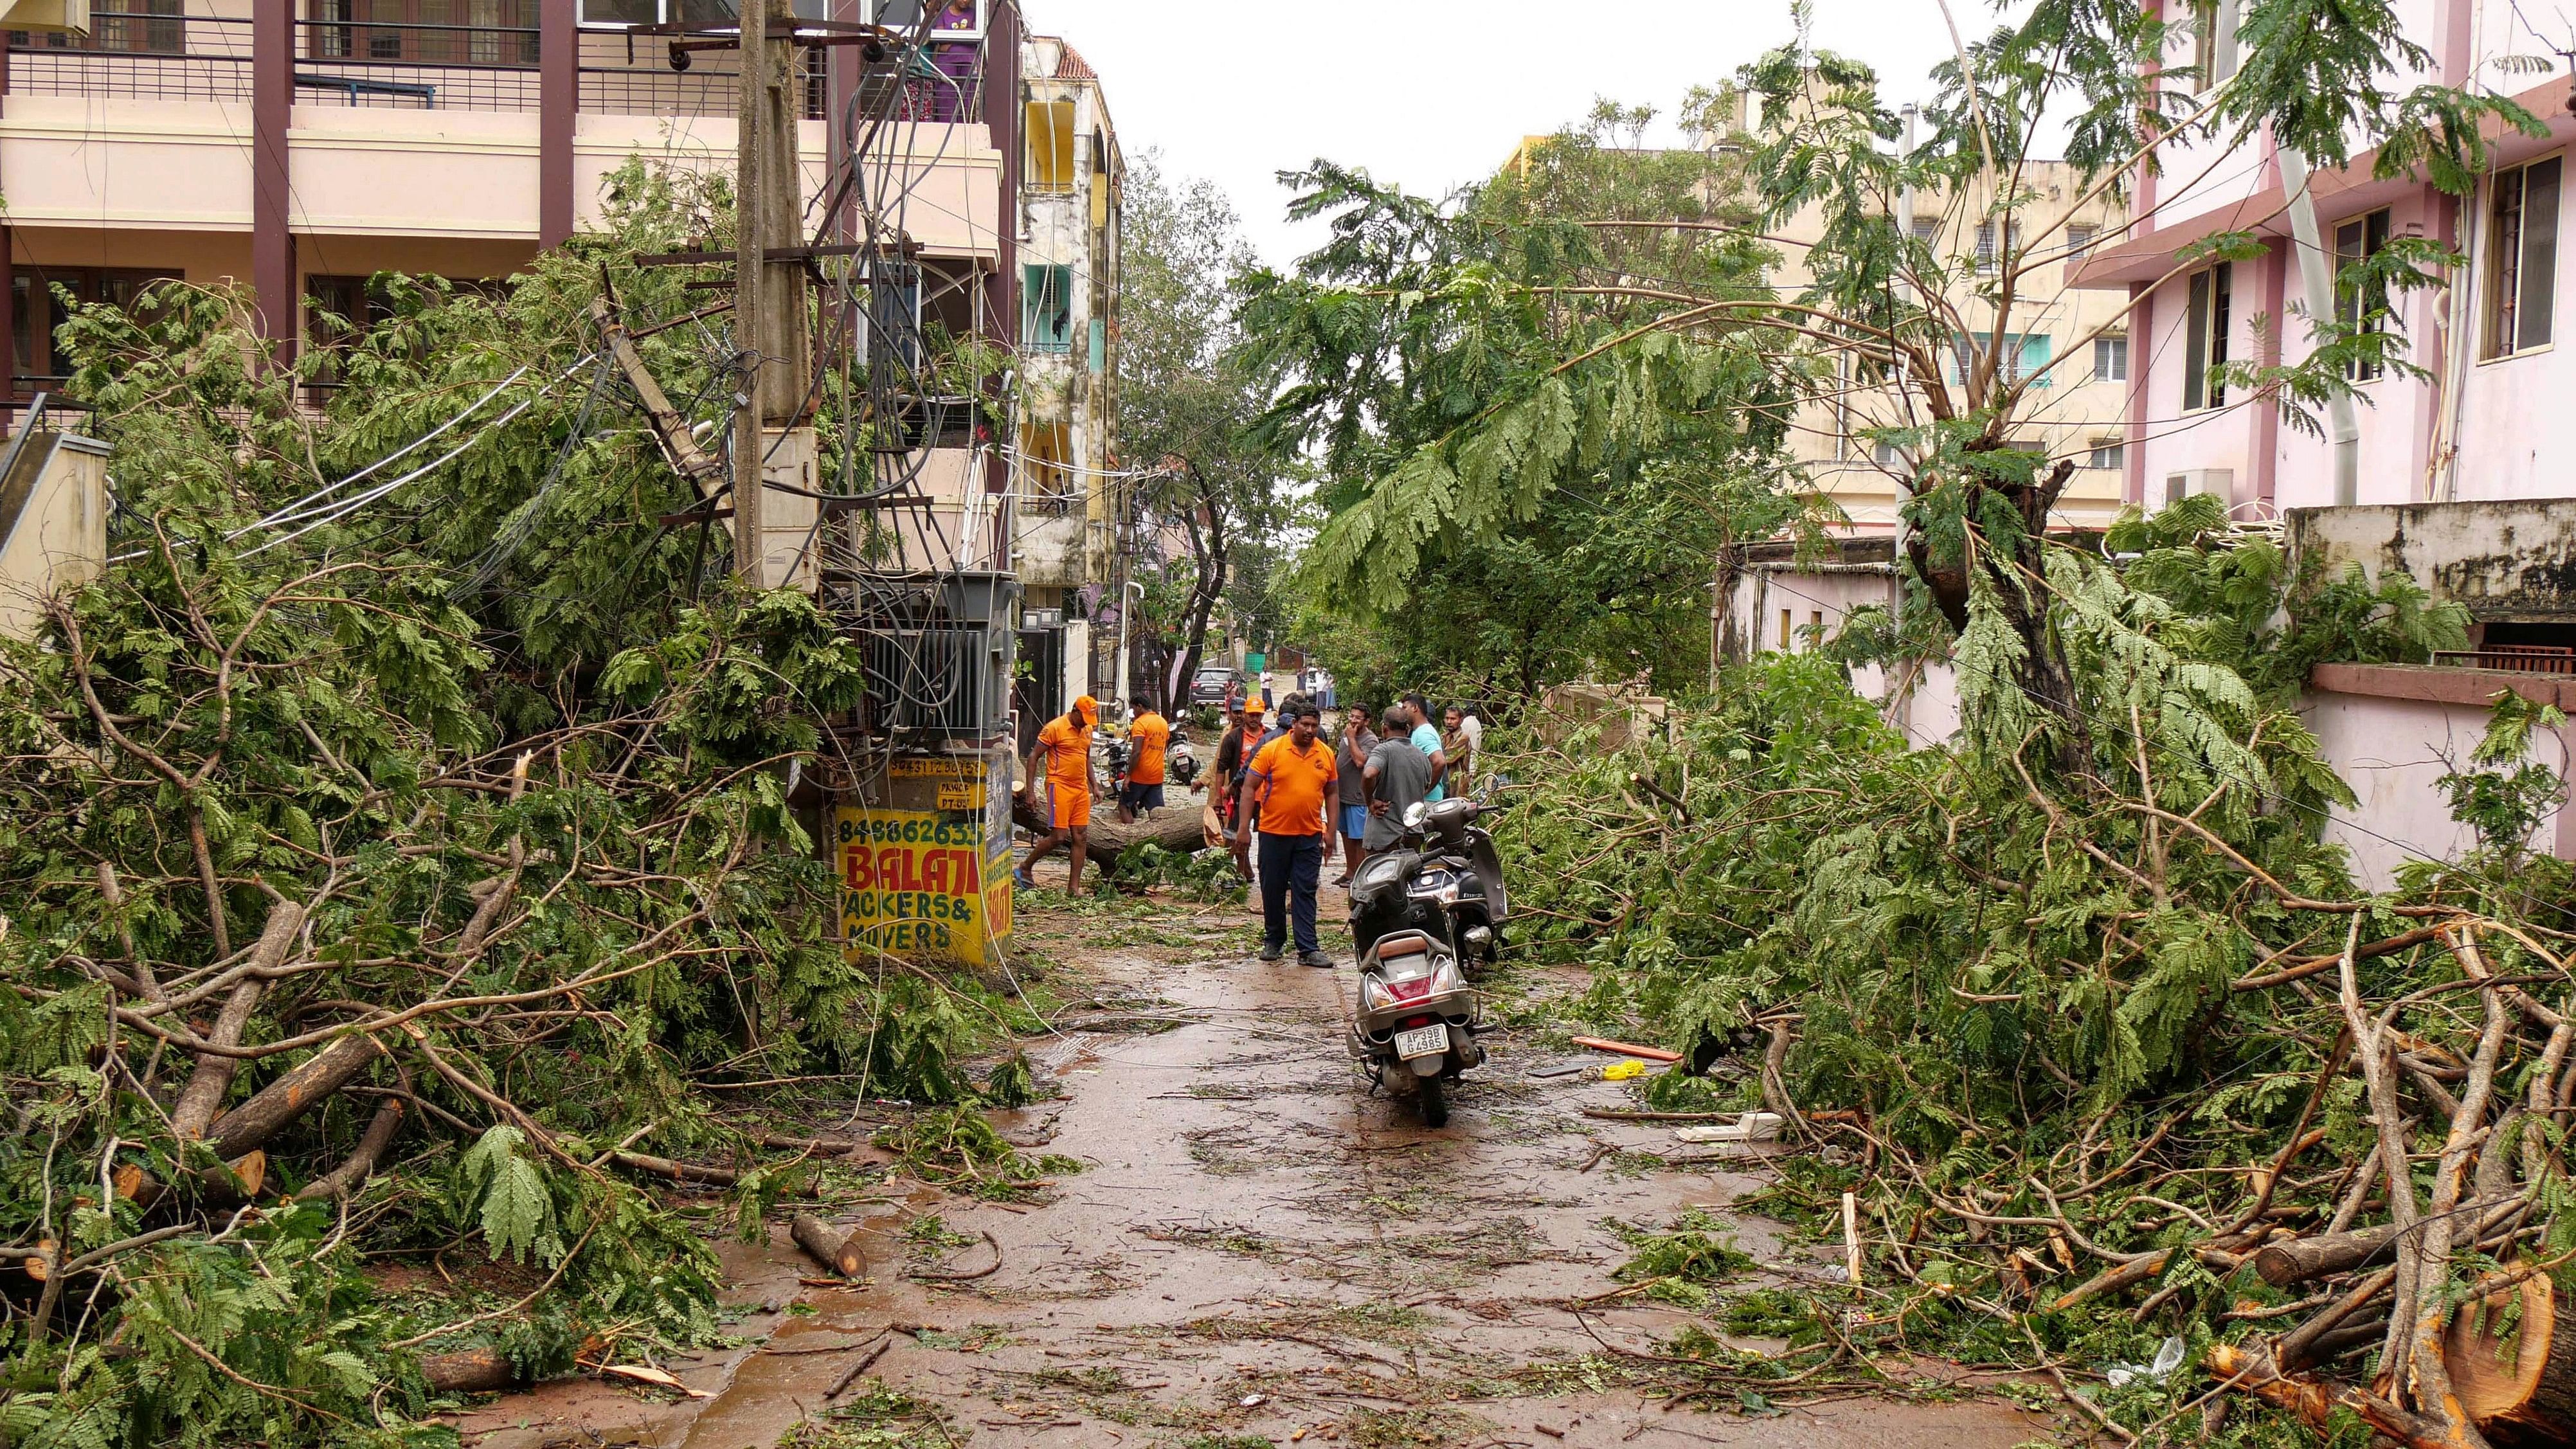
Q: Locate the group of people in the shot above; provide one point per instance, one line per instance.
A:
(1062, 758)
(1279, 790)
(1289, 788)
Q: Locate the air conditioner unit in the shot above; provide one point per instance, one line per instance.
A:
(2219, 483)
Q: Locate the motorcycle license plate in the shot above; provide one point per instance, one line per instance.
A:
(1422, 1041)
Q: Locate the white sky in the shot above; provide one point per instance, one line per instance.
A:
(1432, 94)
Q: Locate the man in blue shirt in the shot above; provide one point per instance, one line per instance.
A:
(1426, 738)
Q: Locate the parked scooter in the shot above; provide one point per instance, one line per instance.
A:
(1452, 881)
(1415, 1023)
(1419, 913)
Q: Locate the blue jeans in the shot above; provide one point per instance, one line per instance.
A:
(1290, 867)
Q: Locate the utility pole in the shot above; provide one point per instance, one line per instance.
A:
(770, 305)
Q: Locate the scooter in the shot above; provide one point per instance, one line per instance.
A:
(1452, 879)
(1415, 1024)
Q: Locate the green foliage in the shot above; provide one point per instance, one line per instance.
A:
(955, 1148)
(2506, 801)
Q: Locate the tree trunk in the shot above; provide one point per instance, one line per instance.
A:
(276, 1107)
(468, 1371)
(204, 1094)
(2522, 1391)
(1175, 828)
(2299, 1259)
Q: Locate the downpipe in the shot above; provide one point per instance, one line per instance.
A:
(2316, 281)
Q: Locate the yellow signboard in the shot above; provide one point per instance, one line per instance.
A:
(927, 876)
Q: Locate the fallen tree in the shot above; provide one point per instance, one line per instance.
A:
(389, 870)
(2090, 1022)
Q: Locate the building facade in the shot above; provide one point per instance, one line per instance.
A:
(2456, 466)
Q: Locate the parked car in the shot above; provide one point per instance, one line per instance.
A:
(1215, 685)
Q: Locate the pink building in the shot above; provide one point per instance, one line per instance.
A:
(2465, 476)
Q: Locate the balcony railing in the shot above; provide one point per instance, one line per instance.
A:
(2513, 658)
(359, 57)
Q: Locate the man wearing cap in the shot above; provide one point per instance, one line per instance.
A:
(1232, 754)
(1064, 752)
(1292, 777)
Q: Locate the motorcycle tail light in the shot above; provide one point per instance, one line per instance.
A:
(1413, 990)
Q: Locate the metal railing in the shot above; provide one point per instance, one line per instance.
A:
(352, 61)
(2511, 658)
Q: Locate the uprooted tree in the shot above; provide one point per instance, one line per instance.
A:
(2094, 1011)
(398, 837)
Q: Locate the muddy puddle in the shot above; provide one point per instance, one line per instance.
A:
(1258, 1251)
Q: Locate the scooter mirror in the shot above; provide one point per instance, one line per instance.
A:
(1415, 814)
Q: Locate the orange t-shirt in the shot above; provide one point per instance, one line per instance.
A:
(1151, 735)
(1068, 752)
(1294, 785)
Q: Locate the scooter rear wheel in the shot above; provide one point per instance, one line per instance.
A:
(1435, 1102)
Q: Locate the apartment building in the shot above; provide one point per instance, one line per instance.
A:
(2459, 468)
(1064, 455)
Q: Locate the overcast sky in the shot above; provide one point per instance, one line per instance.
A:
(1432, 93)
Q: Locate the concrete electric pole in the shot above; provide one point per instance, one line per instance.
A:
(773, 531)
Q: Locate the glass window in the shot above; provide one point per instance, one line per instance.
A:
(621, 12)
(2213, 43)
(2360, 304)
(2079, 241)
(1046, 309)
(2109, 455)
(2025, 354)
(2110, 359)
(2522, 252)
(2205, 338)
(958, 19)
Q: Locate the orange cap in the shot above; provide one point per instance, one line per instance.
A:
(1254, 706)
(1090, 707)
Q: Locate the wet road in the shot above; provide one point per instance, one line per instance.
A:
(1258, 1251)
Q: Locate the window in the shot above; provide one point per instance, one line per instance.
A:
(2110, 359)
(622, 14)
(1786, 642)
(1046, 309)
(1046, 457)
(440, 32)
(1886, 455)
(31, 289)
(2205, 338)
(2213, 43)
(2079, 241)
(1987, 256)
(2357, 304)
(2522, 250)
(958, 19)
(1051, 147)
(1927, 229)
(2025, 355)
(1099, 345)
(2109, 454)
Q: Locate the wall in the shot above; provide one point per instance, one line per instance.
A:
(2507, 561)
(2392, 732)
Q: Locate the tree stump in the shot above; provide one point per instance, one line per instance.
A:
(834, 1247)
(2515, 1380)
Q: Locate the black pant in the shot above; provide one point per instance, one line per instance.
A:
(1290, 866)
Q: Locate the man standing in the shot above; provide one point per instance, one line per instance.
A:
(1063, 759)
(1397, 777)
(1147, 739)
(1233, 754)
(1357, 740)
(1426, 738)
(1460, 747)
(1292, 777)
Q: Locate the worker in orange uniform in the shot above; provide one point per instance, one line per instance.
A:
(1063, 759)
(1293, 777)
(1149, 735)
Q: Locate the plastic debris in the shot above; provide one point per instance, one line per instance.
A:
(1751, 1127)
(2168, 1358)
(1622, 1071)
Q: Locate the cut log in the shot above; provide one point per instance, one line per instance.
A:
(236, 1181)
(835, 1248)
(2296, 1260)
(1175, 828)
(362, 1161)
(276, 1107)
(469, 1371)
(2515, 1379)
